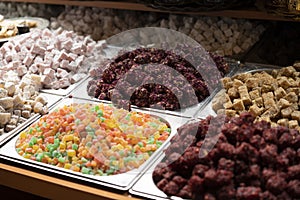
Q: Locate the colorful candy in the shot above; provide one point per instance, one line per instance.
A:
(96, 139)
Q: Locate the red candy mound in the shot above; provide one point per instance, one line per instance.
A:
(250, 160)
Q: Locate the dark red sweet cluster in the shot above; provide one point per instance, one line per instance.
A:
(149, 77)
(248, 161)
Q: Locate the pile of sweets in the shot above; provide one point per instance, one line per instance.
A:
(223, 35)
(58, 58)
(94, 139)
(271, 95)
(247, 160)
(19, 9)
(136, 76)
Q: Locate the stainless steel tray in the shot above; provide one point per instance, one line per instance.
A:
(64, 92)
(249, 67)
(81, 92)
(51, 101)
(121, 182)
(112, 50)
(246, 68)
(145, 186)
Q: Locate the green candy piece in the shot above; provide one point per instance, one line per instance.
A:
(100, 113)
(150, 140)
(85, 170)
(33, 141)
(75, 147)
(56, 154)
(39, 157)
(61, 159)
(140, 144)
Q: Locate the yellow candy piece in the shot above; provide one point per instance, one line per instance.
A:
(71, 152)
(23, 135)
(35, 147)
(67, 138)
(67, 166)
(62, 145)
(110, 123)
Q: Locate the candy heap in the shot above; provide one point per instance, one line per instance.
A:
(93, 139)
(271, 96)
(137, 76)
(248, 160)
(226, 36)
(57, 58)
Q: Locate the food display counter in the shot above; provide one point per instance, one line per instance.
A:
(50, 187)
(92, 106)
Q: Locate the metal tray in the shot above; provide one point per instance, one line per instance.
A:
(145, 186)
(121, 182)
(64, 92)
(246, 68)
(41, 23)
(81, 92)
(250, 67)
(51, 101)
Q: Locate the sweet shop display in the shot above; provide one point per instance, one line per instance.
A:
(17, 104)
(40, 59)
(17, 26)
(271, 95)
(149, 86)
(8, 30)
(20, 9)
(93, 139)
(225, 36)
(154, 105)
(57, 58)
(250, 160)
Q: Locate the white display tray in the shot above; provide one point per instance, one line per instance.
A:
(51, 101)
(145, 186)
(192, 111)
(247, 68)
(81, 92)
(66, 91)
(121, 181)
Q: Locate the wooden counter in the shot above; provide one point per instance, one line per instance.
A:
(52, 187)
(251, 13)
